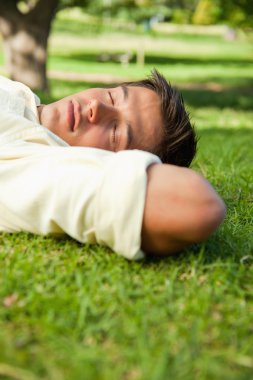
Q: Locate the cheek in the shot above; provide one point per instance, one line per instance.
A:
(52, 119)
(87, 95)
(46, 115)
(94, 137)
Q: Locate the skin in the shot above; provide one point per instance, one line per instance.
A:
(106, 118)
(181, 207)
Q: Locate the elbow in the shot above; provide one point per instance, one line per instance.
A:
(211, 214)
(204, 221)
(216, 215)
(179, 212)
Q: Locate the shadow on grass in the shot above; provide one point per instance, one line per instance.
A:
(226, 151)
(152, 59)
(238, 98)
(217, 250)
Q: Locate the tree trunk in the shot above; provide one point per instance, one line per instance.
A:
(25, 38)
(25, 58)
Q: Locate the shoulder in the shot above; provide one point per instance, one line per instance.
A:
(17, 89)
(11, 85)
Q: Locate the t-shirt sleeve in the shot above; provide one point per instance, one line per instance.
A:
(120, 202)
(92, 195)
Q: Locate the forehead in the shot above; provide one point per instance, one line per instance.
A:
(144, 109)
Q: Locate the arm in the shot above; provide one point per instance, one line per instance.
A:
(94, 196)
(181, 208)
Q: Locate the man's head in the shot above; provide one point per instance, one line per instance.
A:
(178, 144)
(147, 115)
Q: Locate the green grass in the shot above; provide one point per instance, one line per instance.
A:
(69, 311)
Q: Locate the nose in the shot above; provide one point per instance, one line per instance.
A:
(99, 111)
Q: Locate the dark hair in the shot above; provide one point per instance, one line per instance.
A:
(179, 144)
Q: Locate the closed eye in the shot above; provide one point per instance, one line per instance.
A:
(110, 94)
(114, 137)
(114, 134)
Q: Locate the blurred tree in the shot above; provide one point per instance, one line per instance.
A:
(25, 27)
(134, 10)
(234, 12)
(142, 11)
(237, 12)
(207, 12)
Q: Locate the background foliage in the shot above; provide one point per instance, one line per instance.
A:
(233, 12)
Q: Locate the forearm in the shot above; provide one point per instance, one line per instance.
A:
(181, 208)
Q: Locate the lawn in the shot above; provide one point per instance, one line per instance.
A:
(74, 312)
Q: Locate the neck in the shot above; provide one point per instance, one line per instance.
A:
(39, 109)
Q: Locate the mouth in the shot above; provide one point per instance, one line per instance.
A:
(73, 115)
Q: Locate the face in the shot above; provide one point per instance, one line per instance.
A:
(114, 119)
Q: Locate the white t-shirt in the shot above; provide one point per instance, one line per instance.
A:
(48, 187)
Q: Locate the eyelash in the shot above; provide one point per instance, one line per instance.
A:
(111, 97)
(114, 133)
(115, 125)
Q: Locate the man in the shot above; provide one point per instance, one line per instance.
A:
(147, 115)
(123, 198)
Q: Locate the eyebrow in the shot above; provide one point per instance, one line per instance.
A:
(129, 135)
(124, 88)
(125, 91)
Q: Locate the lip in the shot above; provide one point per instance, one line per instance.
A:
(77, 114)
(71, 115)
